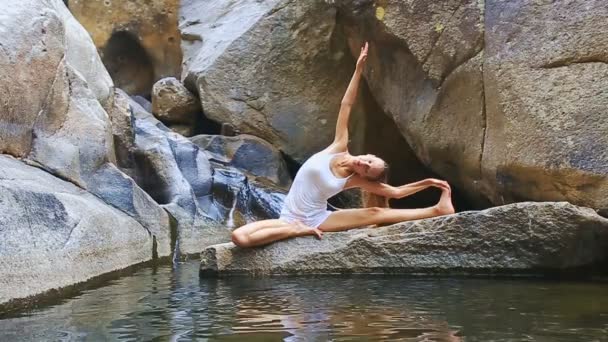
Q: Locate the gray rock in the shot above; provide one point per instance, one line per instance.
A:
(242, 199)
(546, 102)
(247, 153)
(122, 130)
(82, 55)
(61, 125)
(274, 69)
(54, 234)
(185, 130)
(143, 102)
(173, 103)
(178, 177)
(518, 238)
(206, 200)
(496, 113)
(424, 69)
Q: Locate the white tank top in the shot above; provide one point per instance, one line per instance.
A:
(313, 186)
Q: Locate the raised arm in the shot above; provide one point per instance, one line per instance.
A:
(340, 142)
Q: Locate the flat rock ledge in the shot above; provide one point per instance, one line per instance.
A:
(519, 238)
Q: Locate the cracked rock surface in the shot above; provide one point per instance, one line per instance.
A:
(273, 69)
(504, 99)
(53, 116)
(55, 234)
(517, 238)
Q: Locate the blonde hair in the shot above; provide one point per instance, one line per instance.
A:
(369, 199)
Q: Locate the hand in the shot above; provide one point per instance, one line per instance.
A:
(362, 57)
(304, 230)
(318, 233)
(438, 183)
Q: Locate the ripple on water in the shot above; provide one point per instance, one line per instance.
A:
(163, 304)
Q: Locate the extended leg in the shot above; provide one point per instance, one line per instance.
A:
(352, 218)
(267, 231)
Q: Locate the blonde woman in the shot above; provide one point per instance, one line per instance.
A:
(331, 171)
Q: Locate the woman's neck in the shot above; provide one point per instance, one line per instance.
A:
(342, 165)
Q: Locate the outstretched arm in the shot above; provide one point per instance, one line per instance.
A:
(340, 142)
(390, 191)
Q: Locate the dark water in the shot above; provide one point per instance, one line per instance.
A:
(165, 305)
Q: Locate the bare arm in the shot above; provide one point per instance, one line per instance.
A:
(340, 142)
(390, 191)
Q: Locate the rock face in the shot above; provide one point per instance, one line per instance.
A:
(424, 69)
(517, 238)
(44, 52)
(273, 69)
(62, 125)
(139, 40)
(546, 101)
(247, 153)
(123, 135)
(205, 200)
(172, 103)
(54, 234)
(496, 113)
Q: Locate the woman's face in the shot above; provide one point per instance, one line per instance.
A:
(368, 166)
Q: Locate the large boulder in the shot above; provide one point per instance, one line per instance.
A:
(517, 238)
(275, 69)
(61, 125)
(139, 40)
(496, 112)
(424, 69)
(54, 234)
(83, 56)
(173, 103)
(43, 50)
(545, 78)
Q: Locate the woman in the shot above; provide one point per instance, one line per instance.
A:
(329, 172)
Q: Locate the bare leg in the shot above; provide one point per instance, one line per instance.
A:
(267, 231)
(352, 218)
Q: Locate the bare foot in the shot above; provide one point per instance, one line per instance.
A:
(445, 206)
(304, 230)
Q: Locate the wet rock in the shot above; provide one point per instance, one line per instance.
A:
(496, 113)
(292, 70)
(173, 103)
(247, 153)
(518, 238)
(241, 199)
(54, 234)
(178, 176)
(139, 40)
(206, 200)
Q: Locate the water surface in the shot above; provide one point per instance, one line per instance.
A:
(162, 304)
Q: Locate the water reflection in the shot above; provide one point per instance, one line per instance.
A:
(161, 305)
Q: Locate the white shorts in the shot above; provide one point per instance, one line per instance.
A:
(313, 220)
